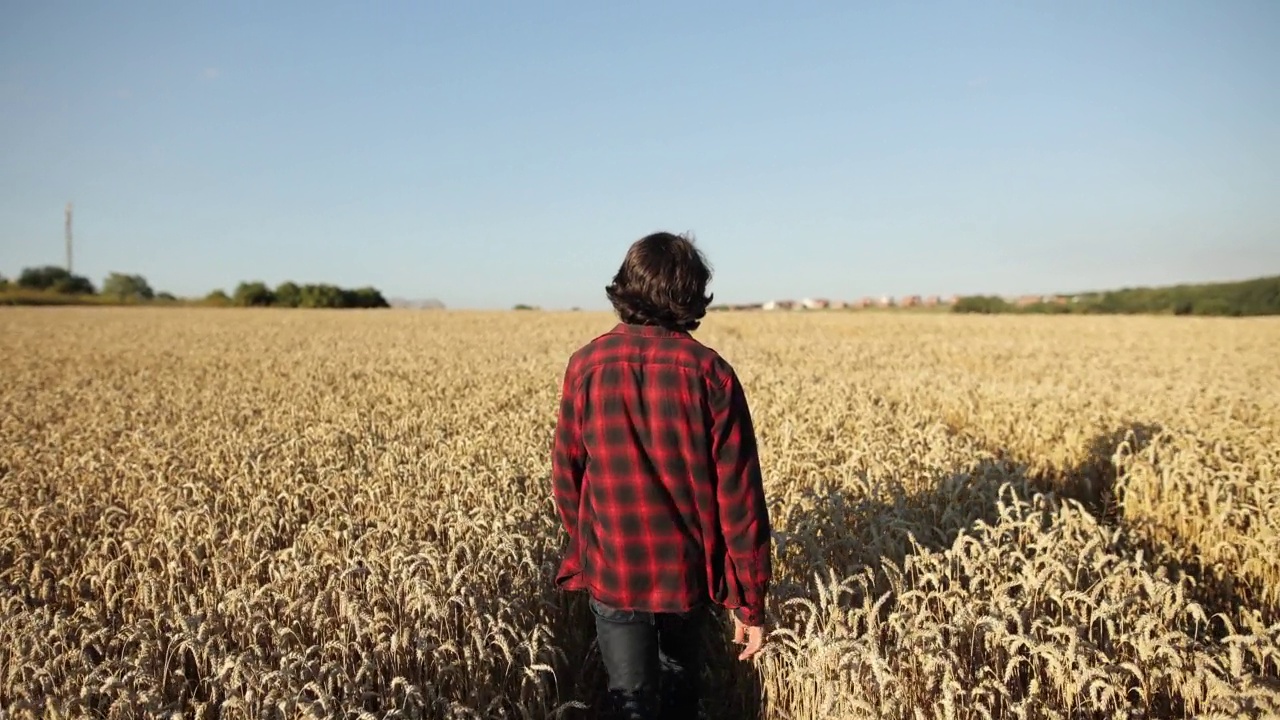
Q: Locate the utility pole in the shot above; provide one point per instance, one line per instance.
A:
(68, 238)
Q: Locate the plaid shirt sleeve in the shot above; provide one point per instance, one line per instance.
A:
(744, 517)
(568, 465)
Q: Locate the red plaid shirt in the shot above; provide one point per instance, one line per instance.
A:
(656, 477)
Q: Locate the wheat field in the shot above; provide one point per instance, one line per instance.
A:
(288, 514)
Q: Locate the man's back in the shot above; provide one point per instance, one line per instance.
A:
(656, 467)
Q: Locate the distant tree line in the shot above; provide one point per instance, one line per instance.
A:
(1260, 296)
(51, 279)
(53, 284)
(293, 295)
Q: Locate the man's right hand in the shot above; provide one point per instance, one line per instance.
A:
(751, 635)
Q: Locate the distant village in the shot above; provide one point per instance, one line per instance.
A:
(886, 301)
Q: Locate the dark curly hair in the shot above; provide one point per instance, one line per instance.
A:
(662, 281)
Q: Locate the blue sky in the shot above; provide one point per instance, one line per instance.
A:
(494, 153)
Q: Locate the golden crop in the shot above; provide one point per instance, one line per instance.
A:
(279, 514)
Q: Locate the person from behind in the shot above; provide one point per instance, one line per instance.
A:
(656, 479)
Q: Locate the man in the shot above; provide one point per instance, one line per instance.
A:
(657, 481)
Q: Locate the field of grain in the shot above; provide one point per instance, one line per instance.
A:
(280, 514)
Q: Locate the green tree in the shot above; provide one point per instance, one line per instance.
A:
(41, 278)
(1214, 306)
(74, 285)
(367, 297)
(322, 296)
(4, 283)
(127, 287)
(218, 298)
(288, 294)
(253, 294)
(981, 304)
(56, 279)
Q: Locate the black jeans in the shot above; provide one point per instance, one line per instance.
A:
(654, 661)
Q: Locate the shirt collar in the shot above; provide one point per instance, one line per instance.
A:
(647, 330)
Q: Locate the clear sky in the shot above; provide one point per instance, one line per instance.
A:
(493, 153)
